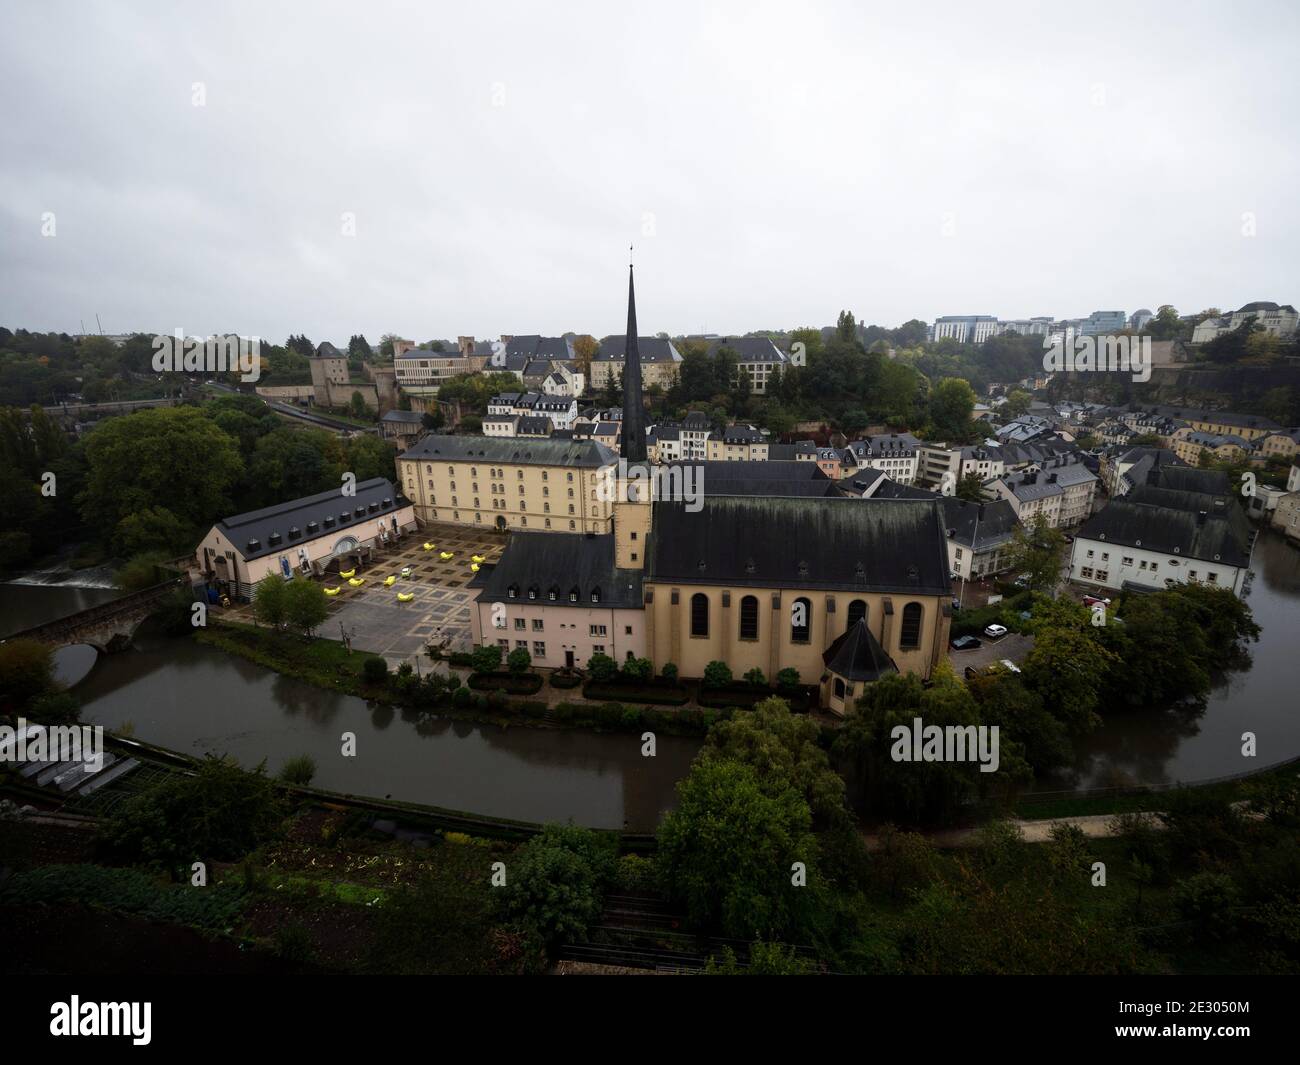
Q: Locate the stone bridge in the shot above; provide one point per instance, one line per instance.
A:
(108, 626)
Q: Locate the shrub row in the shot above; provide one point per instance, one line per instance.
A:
(654, 694)
(617, 716)
(514, 683)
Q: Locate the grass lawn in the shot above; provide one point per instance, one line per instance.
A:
(322, 662)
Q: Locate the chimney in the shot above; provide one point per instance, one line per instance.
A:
(1200, 517)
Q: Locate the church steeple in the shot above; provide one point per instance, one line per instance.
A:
(633, 447)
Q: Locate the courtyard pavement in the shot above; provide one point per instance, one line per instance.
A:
(375, 621)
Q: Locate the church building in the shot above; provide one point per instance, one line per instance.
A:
(843, 590)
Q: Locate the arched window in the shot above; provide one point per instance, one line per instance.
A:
(800, 621)
(909, 636)
(699, 614)
(749, 618)
(857, 612)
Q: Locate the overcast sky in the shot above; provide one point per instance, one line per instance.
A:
(772, 163)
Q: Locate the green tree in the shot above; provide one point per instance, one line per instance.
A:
(952, 402)
(305, 605)
(727, 851)
(128, 458)
(271, 601)
(555, 882)
(486, 658)
(218, 813)
(518, 661)
(1037, 550)
(26, 671)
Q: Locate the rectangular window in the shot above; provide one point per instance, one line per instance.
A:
(537, 624)
(539, 649)
(520, 624)
(597, 630)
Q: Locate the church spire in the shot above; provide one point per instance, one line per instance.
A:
(633, 448)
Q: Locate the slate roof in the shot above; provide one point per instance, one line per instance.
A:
(749, 349)
(764, 479)
(1169, 521)
(994, 523)
(534, 425)
(563, 563)
(405, 416)
(857, 655)
(583, 453)
(324, 514)
(540, 347)
(850, 544)
(650, 349)
(894, 490)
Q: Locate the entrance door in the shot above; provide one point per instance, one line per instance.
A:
(568, 659)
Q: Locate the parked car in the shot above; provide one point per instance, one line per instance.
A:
(1023, 580)
(953, 575)
(1094, 600)
(995, 632)
(1010, 666)
(965, 643)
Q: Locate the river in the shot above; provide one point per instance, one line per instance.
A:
(1142, 746)
(195, 699)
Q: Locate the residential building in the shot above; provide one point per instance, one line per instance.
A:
(659, 361)
(1059, 490)
(1166, 532)
(979, 536)
(1278, 319)
(758, 359)
(737, 443)
(965, 328)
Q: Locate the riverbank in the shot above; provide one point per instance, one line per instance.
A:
(328, 664)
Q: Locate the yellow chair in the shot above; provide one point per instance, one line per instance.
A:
(478, 558)
(333, 591)
(474, 568)
(405, 597)
(389, 581)
(429, 547)
(349, 573)
(445, 555)
(357, 582)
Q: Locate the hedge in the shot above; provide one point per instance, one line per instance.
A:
(654, 695)
(565, 680)
(689, 722)
(745, 696)
(514, 683)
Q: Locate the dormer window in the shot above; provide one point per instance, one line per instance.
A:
(595, 595)
(513, 591)
(532, 592)
(573, 594)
